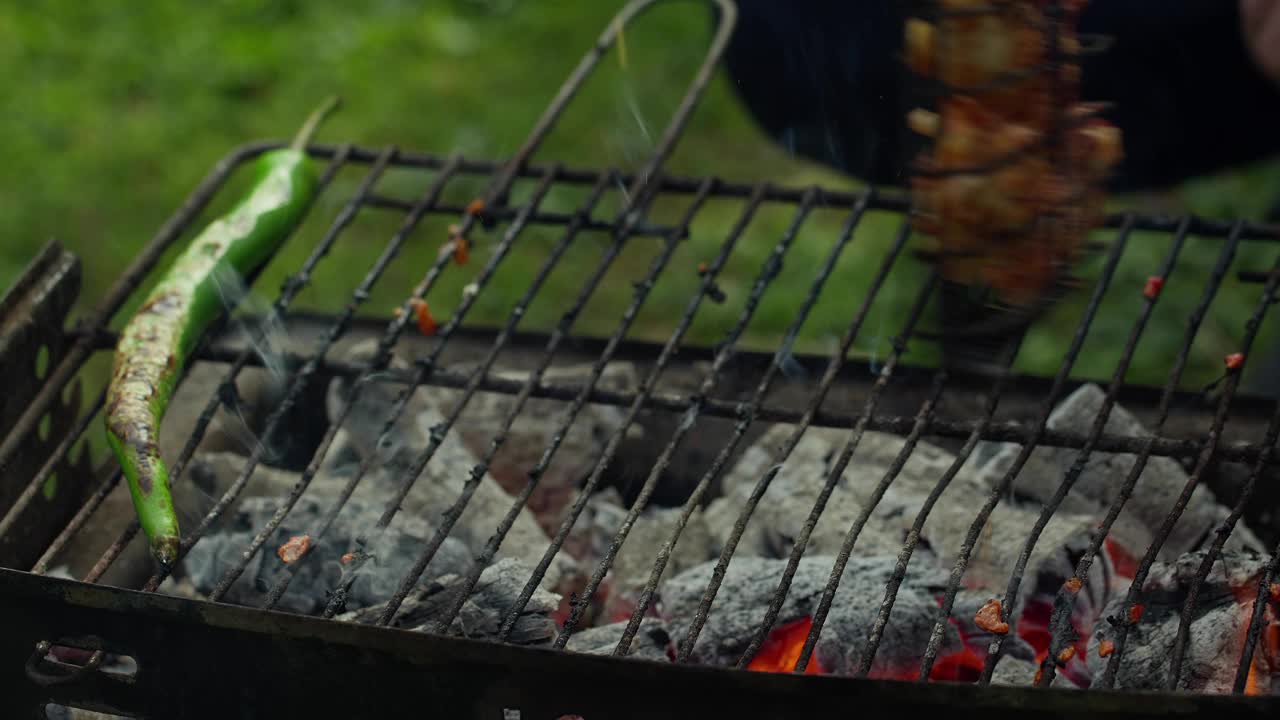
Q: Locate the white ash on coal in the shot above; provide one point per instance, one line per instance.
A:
(597, 524)
(1220, 621)
(392, 553)
(749, 586)
(596, 528)
(531, 433)
(1010, 670)
(634, 562)
(1158, 487)
(483, 612)
(794, 490)
(652, 642)
(441, 482)
(786, 505)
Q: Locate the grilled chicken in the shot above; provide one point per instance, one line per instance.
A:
(1013, 183)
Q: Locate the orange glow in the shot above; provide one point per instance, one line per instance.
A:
(1267, 652)
(1125, 564)
(1251, 685)
(963, 666)
(782, 649)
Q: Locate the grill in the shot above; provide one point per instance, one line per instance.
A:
(728, 394)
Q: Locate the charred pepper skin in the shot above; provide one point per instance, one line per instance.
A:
(159, 338)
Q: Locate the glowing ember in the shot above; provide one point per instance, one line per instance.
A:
(1135, 613)
(422, 315)
(988, 618)
(1251, 686)
(1126, 565)
(1153, 287)
(1275, 592)
(457, 245)
(782, 649)
(295, 548)
(1106, 647)
(1234, 361)
(1066, 654)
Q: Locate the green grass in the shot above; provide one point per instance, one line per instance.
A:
(115, 110)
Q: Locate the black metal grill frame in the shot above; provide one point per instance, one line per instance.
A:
(91, 335)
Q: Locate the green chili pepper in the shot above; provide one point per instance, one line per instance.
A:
(156, 343)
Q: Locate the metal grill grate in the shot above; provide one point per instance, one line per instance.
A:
(746, 410)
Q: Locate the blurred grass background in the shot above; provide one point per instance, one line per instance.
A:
(114, 110)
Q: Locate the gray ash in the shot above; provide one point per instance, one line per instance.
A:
(652, 642)
(1217, 630)
(393, 554)
(482, 614)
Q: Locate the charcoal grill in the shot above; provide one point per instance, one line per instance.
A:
(196, 658)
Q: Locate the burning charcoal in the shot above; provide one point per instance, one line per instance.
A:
(750, 583)
(1010, 670)
(786, 505)
(992, 559)
(531, 433)
(1161, 482)
(441, 482)
(650, 532)
(1217, 630)
(599, 522)
(652, 642)
(792, 494)
(393, 554)
(483, 612)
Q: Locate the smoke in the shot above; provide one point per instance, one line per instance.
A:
(260, 326)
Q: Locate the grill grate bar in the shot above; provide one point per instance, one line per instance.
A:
(1268, 577)
(746, 415)
(500, 252)
(641, 191)
(1220, 419)
(767, 273)
(1215, 550)
(1065, 598)
(55, 457)
(884, 199)
(474, 381)
(1059, 624)
(227, 387)
(82, 516)
(642, 290)
(837, 471)
(477, 472)
(1002, 487)
(917, 526)
(438, 433)
(517, 312)
(828, 378)
(996, 431)
(819, 618)
(542, 217)
(1077, 467)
